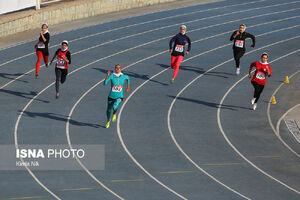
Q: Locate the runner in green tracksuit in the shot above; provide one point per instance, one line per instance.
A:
(115, 97)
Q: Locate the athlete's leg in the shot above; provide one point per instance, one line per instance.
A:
(173, 61)
(110, 104)
(64, 73)
(177, 65)
(237, 54)
(58, 77)
(257, 90)
(260, 89)
(46, 58)
(38, 62)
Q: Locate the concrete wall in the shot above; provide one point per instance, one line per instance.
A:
(66, 11)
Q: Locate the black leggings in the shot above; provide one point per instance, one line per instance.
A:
(61, 75)
(257, 90)
(237, 54)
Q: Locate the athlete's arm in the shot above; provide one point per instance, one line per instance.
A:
(171, 42)
(56, 53)
(43, 37)
(250, 69)
(252, 38)
(108, 77)
(269, 72)
(234, 34)
(189, 45)
(68, 58)
(128, 84)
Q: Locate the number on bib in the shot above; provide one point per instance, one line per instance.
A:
(116, 88)
(60, 63)
(239, 43)
(179, 48)
(260, 75)
(41, 45)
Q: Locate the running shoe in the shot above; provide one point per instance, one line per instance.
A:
(237, 71)
(107, 124)
(253, 101)
(254, 106)
(172, 81)
(57, 95)
(36, 76)
(47, 65)
(114, 117)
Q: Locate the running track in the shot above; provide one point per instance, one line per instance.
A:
(195, 139)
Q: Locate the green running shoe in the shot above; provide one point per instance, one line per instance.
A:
(107, 124)
(114, 117)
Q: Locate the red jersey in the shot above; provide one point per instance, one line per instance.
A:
(61, 63)
(260, 72)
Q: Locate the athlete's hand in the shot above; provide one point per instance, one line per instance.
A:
(108, 72)
(187, 53)
(249, 75)
(252, 46)
(42, 33)
(171, 50)
(127, 89)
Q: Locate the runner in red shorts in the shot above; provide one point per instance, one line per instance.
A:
(177, 50)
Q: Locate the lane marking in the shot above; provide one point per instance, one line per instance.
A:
(266, 156)
(37, 197)
(129, 180)
(128, 26)
(276, 132)
(132, 25)
(229, 142)
(202, 28)
(222, 164)
(292, 125)
(75, 105)
(20, 115)
(77, 189)
(176, 172)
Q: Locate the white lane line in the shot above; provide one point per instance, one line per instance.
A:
(21, 113)
(132, 157)
(89, 90)
(276, 131)
(246, 18)
(233, 147)
(79, 100)
(132, 25)
(283, 116)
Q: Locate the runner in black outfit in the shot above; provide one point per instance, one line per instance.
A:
(239, 49)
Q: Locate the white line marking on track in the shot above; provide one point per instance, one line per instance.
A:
(132, 25)
(21, 114)
(276, 131)
(202, 28)
(233, 147)
(75, 105)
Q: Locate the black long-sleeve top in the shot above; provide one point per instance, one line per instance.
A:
(239, 41)
(179, 41)
(43, 46)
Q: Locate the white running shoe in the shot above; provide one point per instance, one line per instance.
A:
(237, 71)
(253, 101)
(254, 106)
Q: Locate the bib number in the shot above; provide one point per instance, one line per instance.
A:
(41, 45)
(179, 48)
(117, 88)
(260, 76)
(60, 63)
(239, 43)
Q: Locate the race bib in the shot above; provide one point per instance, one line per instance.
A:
(260, 75)
(117, 88)
(60, 63)
(41, 45)
(179, 48)
(239, 43)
